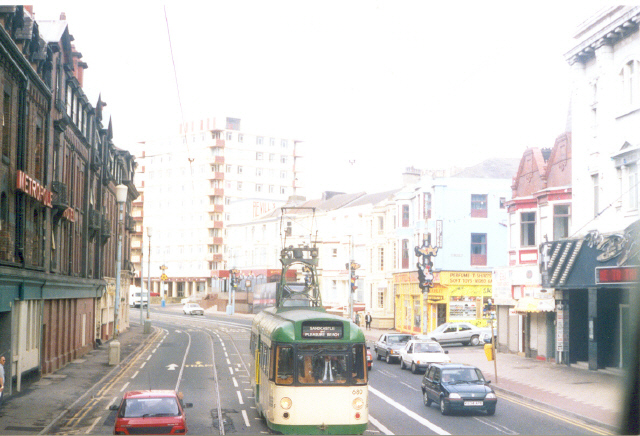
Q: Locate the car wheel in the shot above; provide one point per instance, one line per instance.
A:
(414, 368)
(444, 407)
(474, 341)
(425, 399)
(491, 411)
(402, 363)
(378, 354)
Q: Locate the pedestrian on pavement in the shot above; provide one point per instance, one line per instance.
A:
(357, 318)
(2, 360)
(367, 320)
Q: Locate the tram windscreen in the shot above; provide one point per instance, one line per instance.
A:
(320, 364)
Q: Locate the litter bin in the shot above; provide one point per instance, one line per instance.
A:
(488, 351)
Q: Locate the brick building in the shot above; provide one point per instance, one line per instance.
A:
(58, 211)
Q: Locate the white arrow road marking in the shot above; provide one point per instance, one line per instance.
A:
(409, 413)
(172, 367)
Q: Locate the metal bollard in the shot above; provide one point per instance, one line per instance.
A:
(114, 352)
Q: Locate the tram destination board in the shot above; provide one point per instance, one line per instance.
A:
(322, 330)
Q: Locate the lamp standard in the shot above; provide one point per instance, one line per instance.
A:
(121, 198)
(149, 232)
(142, 285)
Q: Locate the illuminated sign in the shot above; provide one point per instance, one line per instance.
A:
(33, 189)
(620, 274)
(321, 330)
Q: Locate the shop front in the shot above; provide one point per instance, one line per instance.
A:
(593, 278)
(455, 297)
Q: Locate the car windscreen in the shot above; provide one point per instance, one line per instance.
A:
(149, 407)
(463, 375)
(397, 339)
(427, 348)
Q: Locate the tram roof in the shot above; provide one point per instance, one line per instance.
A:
(285, 324)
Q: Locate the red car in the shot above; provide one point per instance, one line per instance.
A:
(151, 412)
(369, 358)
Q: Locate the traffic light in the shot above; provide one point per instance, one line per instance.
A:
(353, 283)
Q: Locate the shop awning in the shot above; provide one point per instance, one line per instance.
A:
(530, 304)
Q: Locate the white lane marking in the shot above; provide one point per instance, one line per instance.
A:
(377, 423)
(239, 397)
(246, 418)
(134, 375)
(228, 362)
(143, 364)
(498, 427)
(92, 425)
(124, 387)
(235, 382)
(149, 357)
(408, 412)
(111, 402)
(231, 370)
(410, 387)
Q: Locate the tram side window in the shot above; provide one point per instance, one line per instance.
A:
(359, 364)
(284, 365)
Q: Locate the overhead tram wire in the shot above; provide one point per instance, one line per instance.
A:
(175, 75)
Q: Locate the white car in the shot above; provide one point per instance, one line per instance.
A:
(417, 354)
(193, 309)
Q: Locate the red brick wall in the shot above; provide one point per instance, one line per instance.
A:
(62, 339)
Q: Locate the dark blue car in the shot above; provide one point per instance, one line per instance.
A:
(457, 387)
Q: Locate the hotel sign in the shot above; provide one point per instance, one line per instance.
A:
(33, 189)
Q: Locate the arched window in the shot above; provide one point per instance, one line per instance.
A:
(630, 83)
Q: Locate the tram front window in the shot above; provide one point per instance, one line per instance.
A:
(331, 365)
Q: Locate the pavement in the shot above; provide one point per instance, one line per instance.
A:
(594, 397)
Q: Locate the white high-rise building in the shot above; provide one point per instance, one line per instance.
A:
(190, 184)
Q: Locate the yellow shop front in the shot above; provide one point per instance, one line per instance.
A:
(456, 296)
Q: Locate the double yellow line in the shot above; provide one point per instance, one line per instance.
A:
(559, 416)
(76, 419)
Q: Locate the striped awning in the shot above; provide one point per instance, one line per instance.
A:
(530, 304)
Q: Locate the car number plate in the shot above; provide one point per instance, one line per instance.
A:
(473, 403)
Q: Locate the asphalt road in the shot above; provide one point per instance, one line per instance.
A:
(395, 401)
(208, 360)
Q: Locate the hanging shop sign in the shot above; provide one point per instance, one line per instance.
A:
(33, 189)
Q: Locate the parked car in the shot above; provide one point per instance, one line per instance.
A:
(369, 358)
(151, 412)
(389, 345)
(457, 387)
(457, 332)
(193, 309)
(418, 354)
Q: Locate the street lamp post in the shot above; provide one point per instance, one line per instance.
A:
(121, 198)
(142, 287)
(149, 232)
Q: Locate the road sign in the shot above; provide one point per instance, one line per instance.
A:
(164, 277)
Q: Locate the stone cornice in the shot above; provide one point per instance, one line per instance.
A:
(618, 29)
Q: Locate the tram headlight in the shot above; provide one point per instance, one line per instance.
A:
(285, 403)
(358, 403)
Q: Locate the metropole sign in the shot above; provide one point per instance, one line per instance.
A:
(33, 189)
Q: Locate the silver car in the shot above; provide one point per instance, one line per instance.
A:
(457, 332)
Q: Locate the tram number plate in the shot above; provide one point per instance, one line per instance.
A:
(473, 403)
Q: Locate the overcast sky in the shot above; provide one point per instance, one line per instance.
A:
(387, 84)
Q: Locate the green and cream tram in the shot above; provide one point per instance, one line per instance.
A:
(310, 367)
(310, 374)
